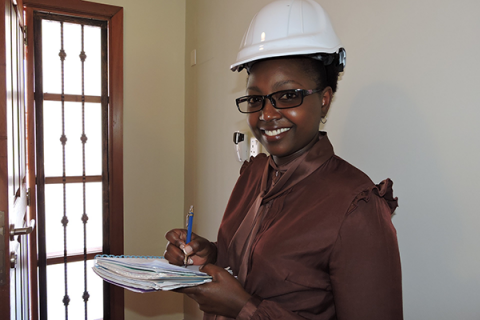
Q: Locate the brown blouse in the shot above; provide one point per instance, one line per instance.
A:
(312, 240)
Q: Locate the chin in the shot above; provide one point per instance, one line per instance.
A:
(277, 153)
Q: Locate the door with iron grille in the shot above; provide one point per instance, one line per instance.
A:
(56, 156)
(71, 100)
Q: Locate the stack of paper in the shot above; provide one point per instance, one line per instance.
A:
(146, 274)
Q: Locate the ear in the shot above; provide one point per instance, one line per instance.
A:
(326, 100)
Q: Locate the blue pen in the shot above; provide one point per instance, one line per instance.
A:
(189, 230)
(189, 224)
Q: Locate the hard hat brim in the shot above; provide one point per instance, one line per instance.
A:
(239, 65)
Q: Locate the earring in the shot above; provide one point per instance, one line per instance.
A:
(323, 120)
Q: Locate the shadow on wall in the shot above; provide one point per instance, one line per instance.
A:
(240, 82)
(152, 305)
(387, 134)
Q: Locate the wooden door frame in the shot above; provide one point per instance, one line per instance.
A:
(5, 197)
(114, 238)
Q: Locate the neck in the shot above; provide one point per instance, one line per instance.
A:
(286, 159)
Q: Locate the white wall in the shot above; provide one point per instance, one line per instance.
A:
(154, 49)
(407, 108)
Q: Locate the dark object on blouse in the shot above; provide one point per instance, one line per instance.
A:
(319, 243)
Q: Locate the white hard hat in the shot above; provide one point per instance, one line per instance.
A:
(290, 27)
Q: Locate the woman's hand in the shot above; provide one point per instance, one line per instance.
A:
(223, 296)
(200, 251)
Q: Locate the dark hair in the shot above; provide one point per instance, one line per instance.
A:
(323, 75)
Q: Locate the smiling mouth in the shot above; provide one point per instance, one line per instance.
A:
(276, 132)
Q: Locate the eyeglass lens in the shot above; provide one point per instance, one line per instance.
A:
(281, 100)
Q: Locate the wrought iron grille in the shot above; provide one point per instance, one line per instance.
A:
(73, 105)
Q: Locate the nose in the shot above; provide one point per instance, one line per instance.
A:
(269, 112)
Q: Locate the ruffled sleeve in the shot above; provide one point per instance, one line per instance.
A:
(365, 261)
(383, 190)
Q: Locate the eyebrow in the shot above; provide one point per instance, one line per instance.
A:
(275, 86)
(282, 83)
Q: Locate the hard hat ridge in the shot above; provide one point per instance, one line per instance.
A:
(286, 28)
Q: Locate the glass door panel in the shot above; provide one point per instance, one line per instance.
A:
(52, 67)
(76, 282)
(74, 208)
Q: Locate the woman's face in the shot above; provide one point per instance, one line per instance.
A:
(283, 132)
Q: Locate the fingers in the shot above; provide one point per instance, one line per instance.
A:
(176, 236)
(217, 273)
(199, 250)
(174, 250)
(210, 269)
(223, 296)
(187, 290)
(174, 255)
(197, 246)
(204, 251)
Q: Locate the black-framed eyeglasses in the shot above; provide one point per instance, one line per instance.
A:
(284, 99)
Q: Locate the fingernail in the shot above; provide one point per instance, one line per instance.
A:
(190, 261)
(187, 250)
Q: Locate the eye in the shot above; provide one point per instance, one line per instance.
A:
(288, 95)
(253, 100)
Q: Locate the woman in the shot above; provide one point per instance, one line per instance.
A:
(307, 235)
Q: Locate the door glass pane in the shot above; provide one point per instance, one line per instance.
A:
(52, 121)
(75, 276)
(72, 44)
(93, 146)
(52, 115)
(73, 131)
(74, 209)
(52, 72)
(93, 67)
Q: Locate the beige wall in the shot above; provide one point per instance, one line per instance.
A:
(214, 29)
(407, 108)
(154, 36)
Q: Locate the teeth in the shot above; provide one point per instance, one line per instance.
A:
(272, 133)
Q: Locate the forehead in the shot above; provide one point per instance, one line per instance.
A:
(272, 72)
